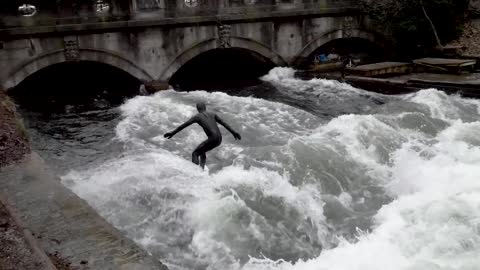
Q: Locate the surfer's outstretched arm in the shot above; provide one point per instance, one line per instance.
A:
(169, 135)
(234, 133)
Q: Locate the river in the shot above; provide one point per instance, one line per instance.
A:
(326, 176)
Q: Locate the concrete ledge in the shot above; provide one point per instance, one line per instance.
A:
(384, 86)
(65, 224)
(46, 263)
(189, 20)
(379, 69)
(403, 85)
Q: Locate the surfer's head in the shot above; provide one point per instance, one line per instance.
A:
(201, 107)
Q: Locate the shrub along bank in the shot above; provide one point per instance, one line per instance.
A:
(417, 26)
(13, 136)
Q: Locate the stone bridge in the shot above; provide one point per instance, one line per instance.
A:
(153, 39)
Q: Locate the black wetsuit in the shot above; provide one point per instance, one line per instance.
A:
(208, 121)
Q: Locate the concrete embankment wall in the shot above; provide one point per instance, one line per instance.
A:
(63, 225)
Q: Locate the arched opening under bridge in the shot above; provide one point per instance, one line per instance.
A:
(219, 69)
(82, 84)
(363, 51)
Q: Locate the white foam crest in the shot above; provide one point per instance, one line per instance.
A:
(143, 113)
(306, 199)
(363, 138)
(118, 180)
(446, 107)
(328, 97)
(468, 134)
(194, 220)
(227, 219)
(439, 103)
(285, 77)
(162, 112)
(433, 223)
(147, 195)
(150, 194)
(279, 74)
(447, 165)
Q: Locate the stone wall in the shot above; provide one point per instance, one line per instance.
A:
(53, 12)
(475, 4)
(155, 52)
(152, 45)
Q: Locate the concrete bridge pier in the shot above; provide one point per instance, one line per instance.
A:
(153, 43)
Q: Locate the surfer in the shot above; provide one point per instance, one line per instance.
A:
(208, 121)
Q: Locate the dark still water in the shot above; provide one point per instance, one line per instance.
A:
(325, 177)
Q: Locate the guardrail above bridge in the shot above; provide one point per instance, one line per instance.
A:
(144, 12)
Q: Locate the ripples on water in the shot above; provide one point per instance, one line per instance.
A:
(325, 177)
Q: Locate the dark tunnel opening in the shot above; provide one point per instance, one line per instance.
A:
(81, 85)
(364, 51)
(222, 69)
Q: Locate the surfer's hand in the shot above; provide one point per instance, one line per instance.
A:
(237, 136)
(168, 135)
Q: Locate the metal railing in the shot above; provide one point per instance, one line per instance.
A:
(252, 10)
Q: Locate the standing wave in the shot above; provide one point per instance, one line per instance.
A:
(394, 187)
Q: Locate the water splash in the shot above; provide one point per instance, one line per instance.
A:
(394, 187)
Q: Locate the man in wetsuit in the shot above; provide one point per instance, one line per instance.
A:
(208, 121)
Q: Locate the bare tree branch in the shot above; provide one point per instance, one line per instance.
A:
(439, 43)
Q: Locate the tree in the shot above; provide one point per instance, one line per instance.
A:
(417, 23)
(437, 38)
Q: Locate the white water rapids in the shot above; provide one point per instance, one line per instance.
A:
(391, 187)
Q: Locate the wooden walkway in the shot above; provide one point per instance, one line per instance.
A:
(382, 68)
(445, 64)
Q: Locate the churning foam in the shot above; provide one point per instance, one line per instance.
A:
(434, 220)
(327, 96)
(292, 192)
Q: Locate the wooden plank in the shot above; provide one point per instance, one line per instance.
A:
(381, 65)
(445, 62)
(383, 68)
(326, 66)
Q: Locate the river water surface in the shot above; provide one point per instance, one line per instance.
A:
(326, 176)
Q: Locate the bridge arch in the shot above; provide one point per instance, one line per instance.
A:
(211, 44)
(334, 35)
(58, 57)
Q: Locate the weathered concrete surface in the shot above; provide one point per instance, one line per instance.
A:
(444, 64)
(65, 224)
(80, 27)
(152, 46)
(382, 68)
(390, 86)
(18, 249)
(467, 85)
(467, 79)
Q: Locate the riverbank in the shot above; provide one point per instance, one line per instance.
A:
(13, 136)
(469, 40)
(16, 251)
(19, 250)
(467, 85)
(45, 226)
(65, 226)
